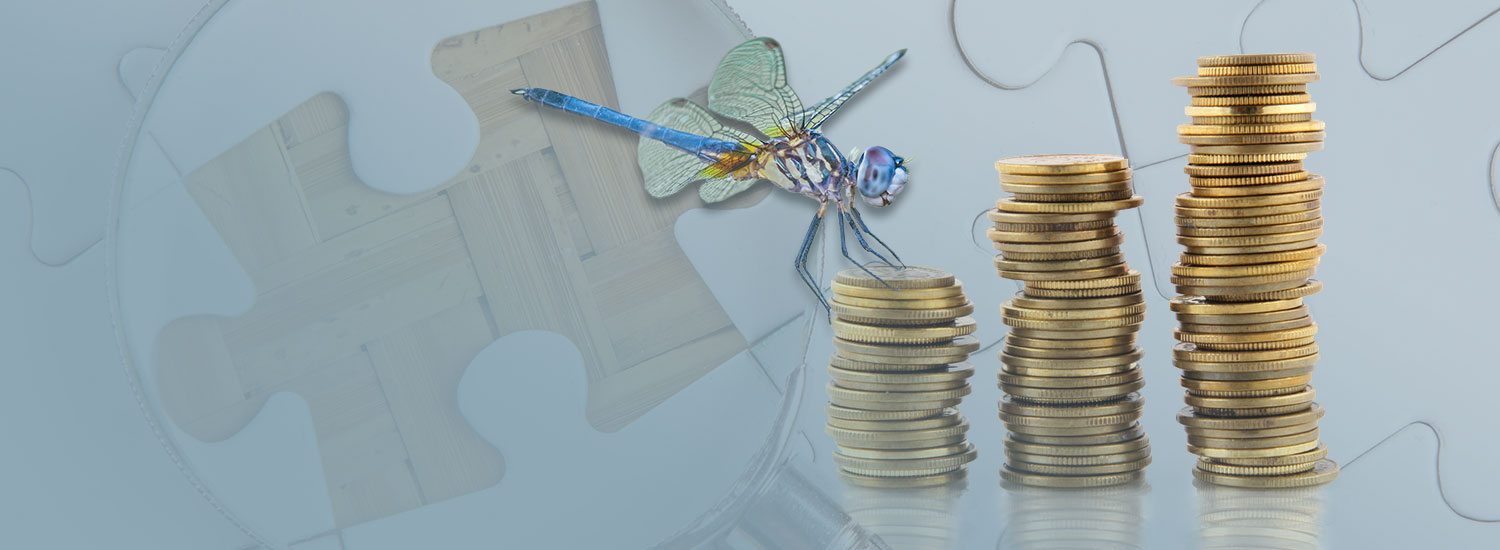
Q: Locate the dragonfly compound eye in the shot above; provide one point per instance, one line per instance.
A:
(878, 170)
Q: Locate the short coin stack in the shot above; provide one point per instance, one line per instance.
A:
(1250, 226)
(1071, 372)
(899, 371)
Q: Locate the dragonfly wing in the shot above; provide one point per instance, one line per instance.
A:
(667, 169)
(750, 85)
(815, 115)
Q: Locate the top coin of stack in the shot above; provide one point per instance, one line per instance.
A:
(1250, 226)
(1070, 366)
(901, 341)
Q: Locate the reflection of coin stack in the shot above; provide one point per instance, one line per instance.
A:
(909, 518)
(898, 373)
(1101, 517)
(1251, 225)
(1071, 375)
(1232, 517)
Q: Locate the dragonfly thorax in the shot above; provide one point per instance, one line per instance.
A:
(806, 163)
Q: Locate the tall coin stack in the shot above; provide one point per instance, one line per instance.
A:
(899, 372)
(1071, 372)
(1250, 226)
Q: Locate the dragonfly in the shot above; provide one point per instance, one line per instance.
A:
(754, 129)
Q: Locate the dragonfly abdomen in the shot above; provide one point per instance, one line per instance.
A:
(706, 148)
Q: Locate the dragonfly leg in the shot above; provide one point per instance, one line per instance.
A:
(857, 218)
(844, 245)
(801, 263)
(866, 245)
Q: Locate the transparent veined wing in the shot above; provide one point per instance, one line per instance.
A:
(750, 85)
(814, 116)
(667, 170)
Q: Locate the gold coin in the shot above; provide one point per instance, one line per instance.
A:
(1112, 239)
(1255, 59)
(1250, 201)
(1197, 157)
(1057, 181)
(1062, 266)
(902, 363)
(1074, 396)
(1181, 270)
(1260, 239)
(910, 277)
(1060, 256)
(1323, 472)
(1230, 469)
(1277, 68)
(1191, 352)
(1133, 356)
(1125, 433)
(1277, 247)
(840, 289)
(1026, 460)
(1073, 198)
(1009, 308)
(1131, 277)
(1049, 469)
(1313, 286)
(1251, 119)
(1011, 205)
(927, 334)
(1251, 259)
(1253, 443)
(1068, 481)
(1075, 334)
(1134, 444)
(961, 345)
(901, 454)
(916, 304)
(1090, 377)
(900, 317)
(1061, 164)
(1243, 170)
(1250, 434)
(1273, 316)
(1072, 226)
(1253, 139)
(1243, 129)
(911, 482)
(1051, 237)
(1213, 183)
(944, 374)
(1271, 99)
(1075, 353)
(1263, 149)
(1268, 189)
(857, 436)
(895, 405)
(1054, 382)
(1252, 453)
(1069, 189)
(1252, 110)
(1244, 281)
(1300, 322)
(878, 467)
(1127, 417)
(1197, 305)
(912, 444)
(914, 387)
(1273, 89)
(1246, 80)
(1315, 223)
(1255, 346)
(1075, 324)
(1018, 406)
(1190, 418)
(845, 395)
(1248, 373)
(1190, 212)
(998, 216)
(887, 364)
(1020, 299)
(846, 413)
(948, 417)
(1305, 396)
(1307, 457)
(1268, 367)
(1050, 344)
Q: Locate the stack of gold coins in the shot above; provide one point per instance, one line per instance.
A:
(1250, 226)
(901, 339)
(1071, 372)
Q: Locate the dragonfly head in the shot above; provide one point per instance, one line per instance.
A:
(880, 175)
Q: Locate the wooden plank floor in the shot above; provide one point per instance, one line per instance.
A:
(370, 305)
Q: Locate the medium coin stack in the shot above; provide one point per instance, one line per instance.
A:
(1250, 226)
(1071, 372)
(900, 345)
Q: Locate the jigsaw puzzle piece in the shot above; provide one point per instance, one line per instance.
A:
(568, 485)
(643, 36)
(65, 113)
(95, 475)
(1408, 198)
(1395, 35)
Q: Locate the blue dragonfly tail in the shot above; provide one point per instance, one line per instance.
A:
(706, 148)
